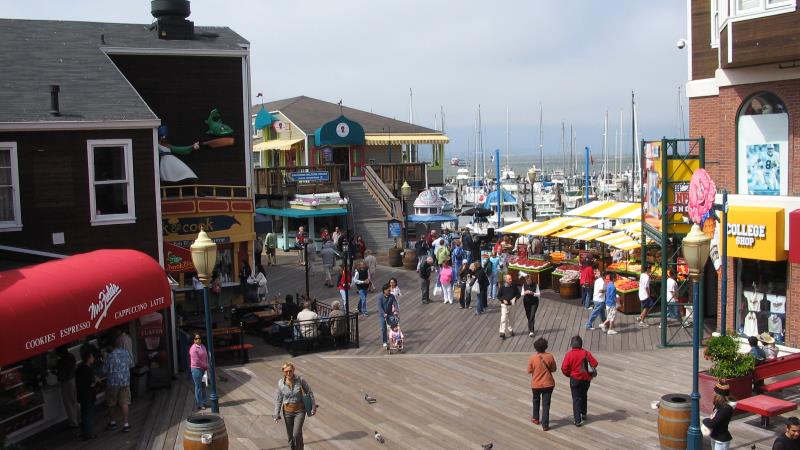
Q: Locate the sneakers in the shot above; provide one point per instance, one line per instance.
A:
(590, 328)
(643, 324)
(530, 334)
(603, 327)
(612, 332)
(111, 426)
(502, 337)
(544, 428)
(385, 345)
(126, 428)
(578, 424)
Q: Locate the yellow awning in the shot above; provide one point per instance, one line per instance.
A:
(512, 228)
(276, 144)
(608, 210)
(544, 228)
(620, 240)
(581, 234)
(397, 139)
(630, 226)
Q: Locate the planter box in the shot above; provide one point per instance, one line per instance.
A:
(741, 388)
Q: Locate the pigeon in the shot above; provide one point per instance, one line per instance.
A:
(488, 446)
(369, 399)
(379, 438)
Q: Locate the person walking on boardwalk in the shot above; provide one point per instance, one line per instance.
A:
(329, 256)
(198, 362)
(492, 269)
(425, 269)
(720, 417)
(465, 280)
(394, 287)
(116, 368)
(541, 367)
(644, 299)
(575, 368)
(587, 283)
(271, 243)
(530, 301)
(446, 276)
(599, 299)
(361, 280)
(508, 296)
(289, 402)
(611, 305)
(387, 305)
(483, 285)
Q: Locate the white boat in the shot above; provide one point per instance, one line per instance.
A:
(462, 174)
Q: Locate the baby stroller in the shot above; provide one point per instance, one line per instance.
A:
(396, 344)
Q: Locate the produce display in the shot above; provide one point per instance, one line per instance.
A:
(525, 264)
(626, 267)
(565, 267)
(570, 276)
(557, 257)
(625, 285)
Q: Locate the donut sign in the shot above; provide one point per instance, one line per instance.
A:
(279, 126)
(342, 129)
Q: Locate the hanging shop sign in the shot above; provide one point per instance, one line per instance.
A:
(177, 259)
(394, 228)
(315, 175)
(756, 232)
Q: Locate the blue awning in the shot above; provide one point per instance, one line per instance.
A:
(491, 200)
(302, 213)
(427, 218)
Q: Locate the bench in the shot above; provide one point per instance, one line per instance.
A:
(766, 407)
(308, 334)
(772, 368)
(242, 349)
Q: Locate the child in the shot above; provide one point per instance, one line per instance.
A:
(396, 337)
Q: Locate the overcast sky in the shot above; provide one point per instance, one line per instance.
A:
(578, 58)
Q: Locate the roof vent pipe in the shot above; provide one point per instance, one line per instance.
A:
(54, 110)
(171, 20)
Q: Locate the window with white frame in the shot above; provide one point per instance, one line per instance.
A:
(257, 133)
(10, 215)
(719, 14)
(111, 193)
(745, 8)
(257, 159)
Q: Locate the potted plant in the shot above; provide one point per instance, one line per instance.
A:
(728, 366)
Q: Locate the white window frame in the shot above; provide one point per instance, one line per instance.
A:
(111, 219)
(764, 9)
(16, 224)
(257, 133)
(258, 159)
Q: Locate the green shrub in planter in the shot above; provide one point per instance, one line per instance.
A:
(723, 351)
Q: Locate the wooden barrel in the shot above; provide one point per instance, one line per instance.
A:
(569, 290)
(205, 432)
(556, 282)
(395, 259)
(673, 420)
(410, 260)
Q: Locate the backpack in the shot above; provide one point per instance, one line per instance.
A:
(487, 266)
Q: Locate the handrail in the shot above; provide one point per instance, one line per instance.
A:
(382, 193)
(205, 191)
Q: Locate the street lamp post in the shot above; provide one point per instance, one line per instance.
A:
(305, 258)
(204, 256)
(696, 246)
(405, 194)
(532, 178)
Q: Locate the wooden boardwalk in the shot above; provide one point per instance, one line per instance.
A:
(457, 387)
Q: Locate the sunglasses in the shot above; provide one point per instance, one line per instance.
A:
(197, 339)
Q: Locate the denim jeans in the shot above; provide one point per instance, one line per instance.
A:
(599, 310)
(480, 303)
(492, 285)
(382, 321)
(362, 300)
(586, 293)
(580, 393)
(199, 389)
(542, 396)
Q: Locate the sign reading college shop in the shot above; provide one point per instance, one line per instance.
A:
(756, 232)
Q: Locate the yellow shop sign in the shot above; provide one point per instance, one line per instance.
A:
(756, 232)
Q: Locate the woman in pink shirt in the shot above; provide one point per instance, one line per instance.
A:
(446, 280)
(198, 361)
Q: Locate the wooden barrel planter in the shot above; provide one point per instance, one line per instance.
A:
(556, 282)
(673, 420)
(410, 260)
(395, 258)
(569, 290)
(205, 432)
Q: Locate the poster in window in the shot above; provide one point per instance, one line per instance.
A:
(764, 169)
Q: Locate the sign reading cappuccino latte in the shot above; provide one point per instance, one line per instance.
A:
(756, 232)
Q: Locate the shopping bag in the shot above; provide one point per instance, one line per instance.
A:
(205, 378)
(437, 290)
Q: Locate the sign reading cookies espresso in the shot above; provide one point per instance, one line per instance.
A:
(756, 232)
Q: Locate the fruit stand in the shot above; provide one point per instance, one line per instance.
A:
(559, 272)
(540, 270)
(568, 285)
(628, 292)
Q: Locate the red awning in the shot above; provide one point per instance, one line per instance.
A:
(46, 305)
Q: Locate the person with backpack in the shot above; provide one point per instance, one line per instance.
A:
(576, 366)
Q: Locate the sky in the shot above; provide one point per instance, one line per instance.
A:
(578, 59)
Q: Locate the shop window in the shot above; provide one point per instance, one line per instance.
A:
(257, 159)
(763, 146)
(257, 132)
(10, 215)
(761, 298)
(111, 195)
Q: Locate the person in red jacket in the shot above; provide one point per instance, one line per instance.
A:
(574, 368)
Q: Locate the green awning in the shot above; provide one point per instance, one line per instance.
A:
(341, 131)
(302, 213)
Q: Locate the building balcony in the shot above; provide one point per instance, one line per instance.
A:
(761, 40)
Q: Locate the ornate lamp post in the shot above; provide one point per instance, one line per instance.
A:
(405, 194)
(204, 256)
(696, 246)
(532, 179)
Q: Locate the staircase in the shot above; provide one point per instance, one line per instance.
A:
(368, 217)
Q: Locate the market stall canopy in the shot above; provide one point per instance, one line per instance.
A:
(581, 234)
(54, 303)
(430, 218)
(607, 209)
(550, 226)
(399, 139)
(620, 240)
(276, 144)
(631, 227)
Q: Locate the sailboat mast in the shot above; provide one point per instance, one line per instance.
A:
(563, 149)
(541, 140)
(633, 144)
(508, 164)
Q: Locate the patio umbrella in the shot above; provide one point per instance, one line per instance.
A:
(477, 212)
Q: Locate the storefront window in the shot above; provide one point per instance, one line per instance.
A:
(761, 298)
(763, 146)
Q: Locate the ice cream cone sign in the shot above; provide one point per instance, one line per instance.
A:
(702, 192)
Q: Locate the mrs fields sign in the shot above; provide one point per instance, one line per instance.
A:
(755, 232)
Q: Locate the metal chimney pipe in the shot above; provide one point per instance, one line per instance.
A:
(54, 90)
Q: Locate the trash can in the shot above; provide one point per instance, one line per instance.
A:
(674, 411)
(205, 432)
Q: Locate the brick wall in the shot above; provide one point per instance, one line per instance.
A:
(714, 118)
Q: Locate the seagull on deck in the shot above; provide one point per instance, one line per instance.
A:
(369, 399)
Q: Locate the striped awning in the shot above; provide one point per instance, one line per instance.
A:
(581, 234)
(630, 226)
(607, 209)
(550, 226)
(397, 139)
(276, 144)
(512, 228)
(620, 240)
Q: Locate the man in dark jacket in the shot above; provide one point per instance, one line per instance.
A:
(483, 281)
(466, 243)
(387, 304)
(425, 269)
(85, 382)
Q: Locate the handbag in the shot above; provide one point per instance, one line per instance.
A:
(705, 430)
(308, 402)
(588, 367)
(437, 290)
(475, 288)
